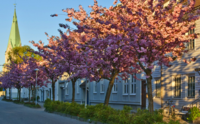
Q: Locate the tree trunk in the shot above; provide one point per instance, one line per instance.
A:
(150, 97)
(53, 90)
(19, 94)
(5, 93)
(29, 94)
(73, 89)
(110, 85)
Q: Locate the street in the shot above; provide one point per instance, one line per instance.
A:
(11, 113)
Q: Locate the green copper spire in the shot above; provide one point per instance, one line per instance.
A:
(14, 38)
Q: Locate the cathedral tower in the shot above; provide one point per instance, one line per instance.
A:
(14, 38)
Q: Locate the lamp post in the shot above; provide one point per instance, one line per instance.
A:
(36, 70)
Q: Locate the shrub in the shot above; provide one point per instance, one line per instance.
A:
(145, 117)
(75, 108)
(67, 106)
(51, 106)
(102, 113)
(106, 114)
(121, 116)
(54, 105)
(87, 113)
(193, 114)
(38, 97)
(127, 109)
(47, 103)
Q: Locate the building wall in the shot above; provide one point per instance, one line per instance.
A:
(46, 92)
(184, 70)
(117, 99)
(14, 93)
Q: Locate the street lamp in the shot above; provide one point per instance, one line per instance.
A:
(36, 70)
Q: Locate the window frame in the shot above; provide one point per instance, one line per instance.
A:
(176, 87)
(157, 87)
(94, 87)
(125, 86)
(102, 86)
(193, 86)
(133, 85)
(192, 41)
(115, 86)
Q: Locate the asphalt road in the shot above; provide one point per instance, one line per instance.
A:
(11, 113)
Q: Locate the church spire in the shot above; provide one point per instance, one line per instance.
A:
(14, 38)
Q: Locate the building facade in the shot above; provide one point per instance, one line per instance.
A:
(180, 82)
(130, 92)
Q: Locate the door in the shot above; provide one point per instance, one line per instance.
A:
(47, 94)
(143, 94)
(43, 96)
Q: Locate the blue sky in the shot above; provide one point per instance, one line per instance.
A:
(34, 19)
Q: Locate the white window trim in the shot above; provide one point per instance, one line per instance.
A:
(155, 83)
(102, 83)
(94, 85)
(132, 81)
(115, 83)
(127, 84)
(173, 85)
(188, 87)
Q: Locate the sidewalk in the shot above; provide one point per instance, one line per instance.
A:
(41, 104)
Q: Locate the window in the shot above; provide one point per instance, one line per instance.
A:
(95, 87)
(125, 87)
(115, 86)
(158, 87)
(102, 86)
(177, 88)
(191, 43)
(191, 86)
(133, 84)
(66, 89)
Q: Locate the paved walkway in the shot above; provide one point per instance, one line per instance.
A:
(11, 113)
